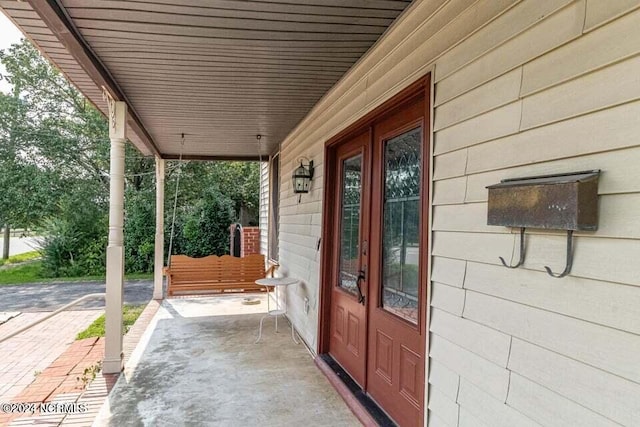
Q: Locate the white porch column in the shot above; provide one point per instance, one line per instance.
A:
(115, 249)
(159, 248)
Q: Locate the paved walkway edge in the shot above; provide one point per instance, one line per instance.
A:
(95, 396)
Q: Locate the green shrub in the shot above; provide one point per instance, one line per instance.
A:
(205, 230)
(139, 232)
(75, 241)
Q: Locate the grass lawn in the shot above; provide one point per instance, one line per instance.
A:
(31, 273)
(26, 273)
(14, 259)
(130, 314)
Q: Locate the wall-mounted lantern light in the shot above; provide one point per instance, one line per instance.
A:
(302, 177)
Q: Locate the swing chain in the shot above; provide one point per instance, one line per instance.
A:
(175, 202)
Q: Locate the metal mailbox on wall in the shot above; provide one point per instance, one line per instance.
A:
(559, 202)
(566, 201)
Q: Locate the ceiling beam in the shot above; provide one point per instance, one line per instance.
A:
(56, 19)
(255, 158)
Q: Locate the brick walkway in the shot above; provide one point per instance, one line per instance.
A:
(59, 381)
(62, 377)
(34, 350)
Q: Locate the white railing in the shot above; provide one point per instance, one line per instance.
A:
(50, 315)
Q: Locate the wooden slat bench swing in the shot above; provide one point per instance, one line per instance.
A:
(223, 274)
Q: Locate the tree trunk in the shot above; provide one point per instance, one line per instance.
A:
(7, 239)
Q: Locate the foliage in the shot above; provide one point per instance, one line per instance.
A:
(204, 228)
(139, 231)
(241, 183)
(89, 374)
(54, 158)
(26, 186)
(60, 128)
(75, 241)
(238, 181)
(130, 314)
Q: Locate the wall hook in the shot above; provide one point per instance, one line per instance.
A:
(567, 268)
(521, 260)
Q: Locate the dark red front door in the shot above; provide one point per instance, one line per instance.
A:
(348, 310)
(378, 259)
(398, 267)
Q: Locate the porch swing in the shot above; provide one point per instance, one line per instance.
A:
(211, 274)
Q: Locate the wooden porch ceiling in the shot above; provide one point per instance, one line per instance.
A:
(220, 71)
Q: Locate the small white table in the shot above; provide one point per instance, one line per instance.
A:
(277, 283)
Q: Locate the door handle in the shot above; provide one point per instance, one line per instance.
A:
(360, 278)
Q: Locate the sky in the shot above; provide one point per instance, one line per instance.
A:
(9, 34)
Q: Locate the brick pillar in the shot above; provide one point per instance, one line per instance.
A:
(250, 241)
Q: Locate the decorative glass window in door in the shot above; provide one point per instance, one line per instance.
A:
(401, 224)
(350, 223)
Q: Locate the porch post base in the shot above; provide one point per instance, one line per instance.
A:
(112, 366)
(113, 309)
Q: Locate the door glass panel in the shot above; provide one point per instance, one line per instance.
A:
(401, 224)
(350, 223)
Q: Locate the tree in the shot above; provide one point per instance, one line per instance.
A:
(239, 181)
(25, 186)
(63, 130)
(139, 230)
(55, 149)
(206, 226)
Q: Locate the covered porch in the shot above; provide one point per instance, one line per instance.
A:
(199, 81)
(198, 364)
(444, 98)
(210, 81)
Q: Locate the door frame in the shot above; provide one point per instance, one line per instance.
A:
(425, 87)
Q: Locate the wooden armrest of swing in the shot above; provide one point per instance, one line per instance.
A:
(273, 266)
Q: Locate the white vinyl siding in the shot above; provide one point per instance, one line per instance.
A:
(522, 87)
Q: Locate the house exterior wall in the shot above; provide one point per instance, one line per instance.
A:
(520, 88)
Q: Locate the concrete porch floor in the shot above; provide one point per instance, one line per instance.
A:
(197, 365)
